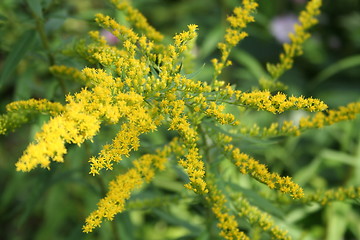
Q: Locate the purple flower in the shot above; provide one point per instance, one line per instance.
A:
(281, 26)
(110, 38)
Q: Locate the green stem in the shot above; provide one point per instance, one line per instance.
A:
(206, 152)
(115, 230)
(114, 227)
(205, 148)
(40, 28)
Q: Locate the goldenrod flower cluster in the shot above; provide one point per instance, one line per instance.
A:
(66, 72)
(328, 196)
(259, 218)
(38, 105)
(20, 112)
(137, 19)
(217, 112)
(248, 165)
(307, 19)
(234, 33)
(139, 86)
(278, 103)
(319, 120)
(227, 222)
(121, 188)
(196, 171)
(330, 117)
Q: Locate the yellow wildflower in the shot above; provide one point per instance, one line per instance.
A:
(114, 202)
(41, 105)
(179, 122)
(306, 20)
(137, 19)
(234, 34)
(181, 39)
(248, 165)
(259, 218)
(343, 113)
(216, 111)
(118, 30)
(69, 73)
(338, 194)
(125, 141)
(194, 167)
(121, 188)
(264, 100)
(227, 222)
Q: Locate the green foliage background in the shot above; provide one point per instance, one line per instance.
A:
(53, 204)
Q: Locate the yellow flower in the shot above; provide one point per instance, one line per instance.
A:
(306, 20)
(264, 100)
(181, 40)
(227, 222)
(36, 105)
(137, 19)
(328, 196)
(234, 33)
(126, 140)
(343, 113)
(49, 143)
(140, 85)
(114, 202)
(179, 122)
(118, 30)
(248, 165)
(259, 218)
(215, 110)
(195, 168)
(69, 73)
(120, 189)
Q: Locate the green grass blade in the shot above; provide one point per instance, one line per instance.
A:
(251, 63)
(210, 43)
(36, 8)
(336, 215)
(337, 67)
(19, 50)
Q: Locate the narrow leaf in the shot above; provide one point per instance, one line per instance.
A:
(20, 48)
(249, 62)
(35, 7)
(337, 67)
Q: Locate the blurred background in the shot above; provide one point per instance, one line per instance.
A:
(53, 204)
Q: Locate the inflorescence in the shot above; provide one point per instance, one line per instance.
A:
(139, 86)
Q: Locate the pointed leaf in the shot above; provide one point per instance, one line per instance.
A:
(35, 7)
(19, 50)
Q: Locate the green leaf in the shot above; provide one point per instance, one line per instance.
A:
(2, 19)
(307, 173)
(177, 221)
(19, 50)
(336, 216)
(338, 157)
(337, 67)
(163, 182)
(245, 139)
(298, 214)
(47, 3)
(23, 85)
(194, 74)
(255, 199)
(35, 7)
(251, 63)
(125, 226)
(211, 41)
(354, 224)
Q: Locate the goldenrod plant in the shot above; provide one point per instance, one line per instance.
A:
(145, 85)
